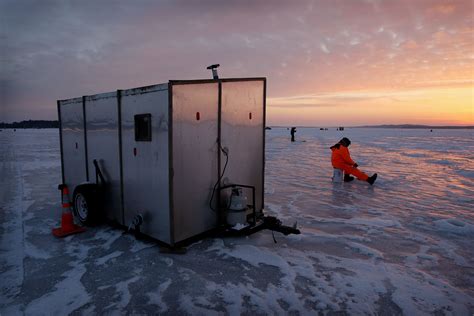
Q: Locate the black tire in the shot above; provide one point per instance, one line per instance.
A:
(86, 203)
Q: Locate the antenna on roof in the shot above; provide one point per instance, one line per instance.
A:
(214, 70)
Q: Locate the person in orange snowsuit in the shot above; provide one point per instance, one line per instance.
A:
(341, 159)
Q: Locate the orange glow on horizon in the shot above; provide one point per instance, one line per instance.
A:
(428, 106)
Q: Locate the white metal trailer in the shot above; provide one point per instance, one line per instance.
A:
(163, 150)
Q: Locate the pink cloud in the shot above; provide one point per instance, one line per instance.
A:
(66, 49)
(443, 8)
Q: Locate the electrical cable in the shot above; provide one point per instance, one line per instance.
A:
(220, 177)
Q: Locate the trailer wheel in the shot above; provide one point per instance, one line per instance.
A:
(86, 203)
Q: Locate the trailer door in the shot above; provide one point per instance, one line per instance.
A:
(144, 114)
(194, 157)
(243, 133)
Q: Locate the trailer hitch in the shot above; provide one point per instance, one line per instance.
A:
(266, 222)
(274, 224)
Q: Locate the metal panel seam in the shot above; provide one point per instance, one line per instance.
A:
(170, 162)
(219, 146)
(119, 111)
(61, 140)
(195, 81)
(264, 135)
(85, 136)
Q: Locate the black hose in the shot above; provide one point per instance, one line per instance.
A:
(220, 178)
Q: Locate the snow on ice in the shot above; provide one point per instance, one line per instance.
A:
(402, 246)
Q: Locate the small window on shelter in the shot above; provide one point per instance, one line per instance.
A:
(143, 127)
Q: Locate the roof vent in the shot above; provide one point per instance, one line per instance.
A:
(214, 70)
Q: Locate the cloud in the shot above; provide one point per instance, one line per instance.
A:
(361, 98)
(54, 49)
(446, 83)
(443, 8)
(410, 44)
(324, 48)
(334, 99)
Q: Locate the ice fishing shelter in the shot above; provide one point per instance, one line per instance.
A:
(161, 150)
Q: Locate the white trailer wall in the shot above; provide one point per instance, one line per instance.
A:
(102, 129)
(146, 163)
(73, 144)
(242, 132)
(194, 158)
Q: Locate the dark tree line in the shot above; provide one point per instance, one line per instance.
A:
(31, 124)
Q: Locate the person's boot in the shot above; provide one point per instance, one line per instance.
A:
(372, 179)
(348, 178)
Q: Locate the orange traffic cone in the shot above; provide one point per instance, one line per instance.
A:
(67, 223)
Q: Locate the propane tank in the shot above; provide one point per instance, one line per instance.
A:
(236, 212)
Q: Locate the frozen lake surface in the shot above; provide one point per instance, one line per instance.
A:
(402, 246)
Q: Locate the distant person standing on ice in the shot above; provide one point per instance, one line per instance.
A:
(341, 159)
(293, 131)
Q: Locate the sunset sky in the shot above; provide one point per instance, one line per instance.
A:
(327, 63)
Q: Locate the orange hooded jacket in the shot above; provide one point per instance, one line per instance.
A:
(341, 157)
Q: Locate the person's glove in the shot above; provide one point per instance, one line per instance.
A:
(355, 165)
